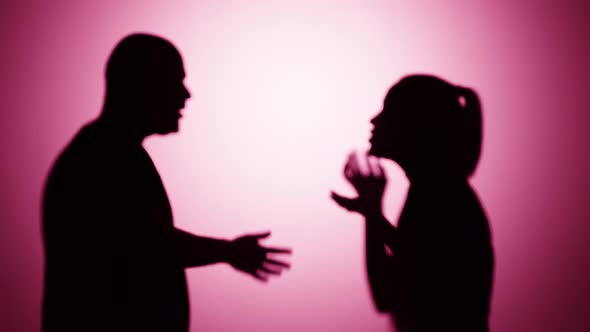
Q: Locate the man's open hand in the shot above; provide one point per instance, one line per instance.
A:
(248, 256)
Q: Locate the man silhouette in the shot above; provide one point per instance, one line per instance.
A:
(114, 260)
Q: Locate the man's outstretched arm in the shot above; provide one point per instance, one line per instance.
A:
(244, 253)
(195, 250)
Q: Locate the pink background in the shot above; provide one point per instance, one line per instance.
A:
(282, 91)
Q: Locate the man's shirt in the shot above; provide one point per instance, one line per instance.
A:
(108, 230)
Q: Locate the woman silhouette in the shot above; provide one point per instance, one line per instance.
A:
(434, 271)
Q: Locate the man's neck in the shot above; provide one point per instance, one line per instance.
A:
(123, 128)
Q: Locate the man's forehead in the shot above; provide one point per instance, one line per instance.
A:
(169, 66)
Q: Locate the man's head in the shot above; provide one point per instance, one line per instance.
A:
(144, 84)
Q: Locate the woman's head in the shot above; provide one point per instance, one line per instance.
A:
(429, 127)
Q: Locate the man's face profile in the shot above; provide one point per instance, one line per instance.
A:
(145, 83)
(164, 97)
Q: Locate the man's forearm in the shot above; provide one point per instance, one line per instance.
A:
(195, 250)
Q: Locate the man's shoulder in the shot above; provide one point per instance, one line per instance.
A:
(89, 154)
(90, 138)
(94, 143)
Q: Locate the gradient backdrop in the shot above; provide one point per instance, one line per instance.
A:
(282, 91)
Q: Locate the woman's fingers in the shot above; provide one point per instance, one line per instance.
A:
(362, 180)
(354, 163)
(375, 168)
(348, 203)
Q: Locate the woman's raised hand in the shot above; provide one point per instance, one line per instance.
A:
(370, 187)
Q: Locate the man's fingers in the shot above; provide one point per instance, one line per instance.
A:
(259, 236)
(277, 263)
(275, 250)
(270, 271)
(260, 276)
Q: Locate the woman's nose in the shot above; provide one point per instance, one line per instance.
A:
(187, 93)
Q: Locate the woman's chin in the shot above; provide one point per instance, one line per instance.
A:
(373, 151)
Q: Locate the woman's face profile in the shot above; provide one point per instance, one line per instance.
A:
(386, 139)
(377, 135)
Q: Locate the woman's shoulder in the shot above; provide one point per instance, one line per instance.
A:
(446, 203)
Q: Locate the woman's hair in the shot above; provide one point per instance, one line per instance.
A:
(445, 121)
